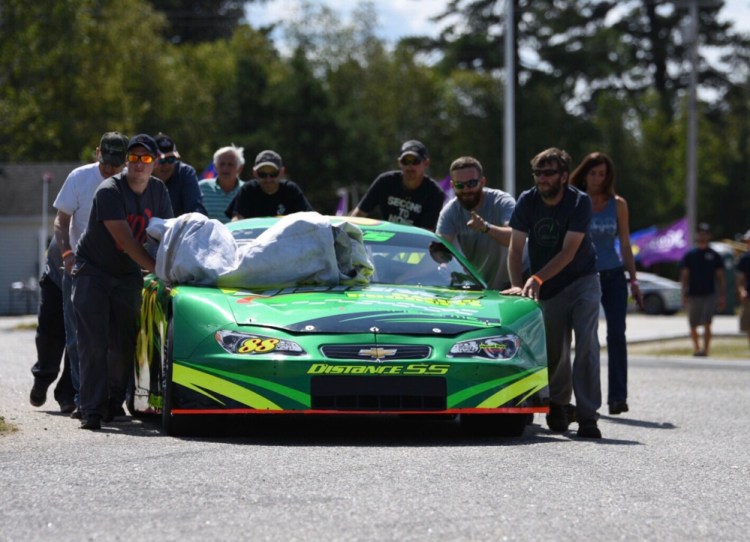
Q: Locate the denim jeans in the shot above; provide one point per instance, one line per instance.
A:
(574, 310)
(71, 343)
(615, 303)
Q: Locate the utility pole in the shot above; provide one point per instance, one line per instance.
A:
(510, 100)
(691, 179)
(46, 180)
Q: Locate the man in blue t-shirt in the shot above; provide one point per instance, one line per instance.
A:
(554, 217)
(701, 270)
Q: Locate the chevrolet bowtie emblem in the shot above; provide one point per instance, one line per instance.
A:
(377, 353)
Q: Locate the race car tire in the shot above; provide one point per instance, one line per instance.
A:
(173, 426)
(494, 425)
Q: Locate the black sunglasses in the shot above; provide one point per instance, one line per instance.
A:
(410, 161)
(471, 183)
(267, 175)
(168, 160)
(544, 172)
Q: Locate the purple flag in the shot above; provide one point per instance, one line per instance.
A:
(445, 184)
(342, 209)
(209, 172)
(665, 245)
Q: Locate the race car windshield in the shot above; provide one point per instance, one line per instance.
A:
(405, 259)
(416, 260)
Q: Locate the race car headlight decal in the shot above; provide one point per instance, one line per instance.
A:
(496, 348)
(247, 343)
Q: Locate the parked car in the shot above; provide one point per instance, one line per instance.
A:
(660, 295)
(423, 337)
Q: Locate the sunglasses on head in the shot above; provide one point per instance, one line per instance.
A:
(145, 158)
(410, 161)
(167, 160)
(471, 183)
(544, 172)
(268, 175)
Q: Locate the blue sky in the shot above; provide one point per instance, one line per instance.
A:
(411, 17)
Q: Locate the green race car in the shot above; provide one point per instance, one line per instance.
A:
(424, 336)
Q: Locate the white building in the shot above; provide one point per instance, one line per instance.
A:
(26, 225)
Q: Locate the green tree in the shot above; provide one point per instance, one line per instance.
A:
(194, 21)
(72, 69)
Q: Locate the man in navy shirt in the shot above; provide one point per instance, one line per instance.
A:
(554, 218)
(180, 178)
(701, 269)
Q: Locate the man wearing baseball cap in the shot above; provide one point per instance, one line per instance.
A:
(73, 204)
(406, 196)
(268, 193)
(180, 178)
(108, 279)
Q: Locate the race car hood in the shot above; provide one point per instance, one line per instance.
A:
(379, 309)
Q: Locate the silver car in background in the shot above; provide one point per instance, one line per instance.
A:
(660, 295)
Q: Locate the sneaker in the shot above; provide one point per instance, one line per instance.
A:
(114, 410)
(38, 395)
(589, 429)
(618, 407)
(76, 414)
(91, 422)
(557, 419)
(67, 408)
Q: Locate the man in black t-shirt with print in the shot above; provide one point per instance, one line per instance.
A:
(108, 280)
(406, 196)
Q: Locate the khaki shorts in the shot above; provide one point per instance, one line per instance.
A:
(745, 315)
(701, 309)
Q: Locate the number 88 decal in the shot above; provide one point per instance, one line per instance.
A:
(257, 345)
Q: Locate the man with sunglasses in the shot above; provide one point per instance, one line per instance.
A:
(267, 194)
(477, 221)
(407, 196)
(554, 217)
(73, 204)
(108, 279)
(180, 178)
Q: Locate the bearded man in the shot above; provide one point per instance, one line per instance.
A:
(554, 217)
(476, 220)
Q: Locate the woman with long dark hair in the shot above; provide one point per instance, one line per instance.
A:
(609, 222)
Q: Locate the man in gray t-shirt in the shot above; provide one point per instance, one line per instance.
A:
(477, 221)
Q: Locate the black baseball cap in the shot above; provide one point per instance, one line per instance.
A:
(414, 148)
(145, 141)
(166, 145)
(112, 148)
(268, 158)
(704, 227)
